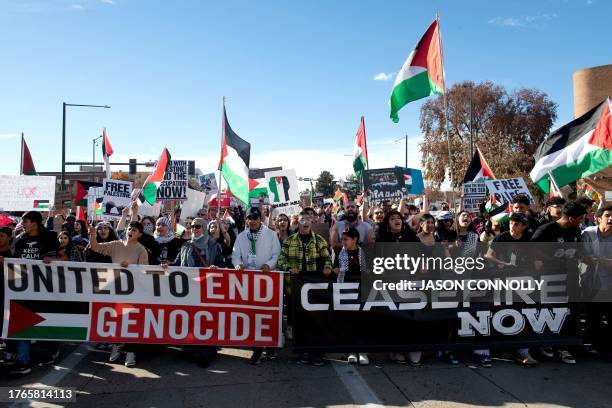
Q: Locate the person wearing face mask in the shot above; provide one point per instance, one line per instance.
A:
(351, 219)
(256, 248)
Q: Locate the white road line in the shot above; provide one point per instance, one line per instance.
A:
(58, 372)
(357, 387)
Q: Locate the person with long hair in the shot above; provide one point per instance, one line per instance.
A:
(68, 251)
(467, 238)
(104, 233)
(282, 227)
(394, 229)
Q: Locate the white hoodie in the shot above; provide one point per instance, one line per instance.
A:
(267, 248)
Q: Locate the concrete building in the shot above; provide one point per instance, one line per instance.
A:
(591, 86)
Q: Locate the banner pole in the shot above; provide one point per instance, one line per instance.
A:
(21, 160)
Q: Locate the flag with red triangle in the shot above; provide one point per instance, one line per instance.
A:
(107, 152)
(80, 213)
(478, 169)
(47, 320)
(154, 180)
(82, 187)
(27, 164)
(360, 155)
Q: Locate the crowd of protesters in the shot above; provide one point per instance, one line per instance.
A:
(324, 242)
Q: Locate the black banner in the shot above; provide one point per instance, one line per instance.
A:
(384, 184)
(329, 317)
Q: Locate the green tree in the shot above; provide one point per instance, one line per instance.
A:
(325, 184)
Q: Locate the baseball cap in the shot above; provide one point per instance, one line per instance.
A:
(7, 231)
(519, 217)
(253, 213)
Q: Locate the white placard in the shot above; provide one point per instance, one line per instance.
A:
(473, 195)
(174, 186)
(25, 193)
(117, 196)
(282, 186)
(194, 203)
(505, 189)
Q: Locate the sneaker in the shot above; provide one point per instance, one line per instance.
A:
(270, 353)
(399, 358)
(305, 358)
(20, 369)
(352, 358)
(318, 362)
(414, 357)
(256, 357)
(130, 359)
(547, 352)
(451, 359)
(566, 357)
(363, 359)
(525, 359)
(115, 353)
(51, 358)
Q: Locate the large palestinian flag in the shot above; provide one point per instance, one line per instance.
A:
(577, 150)
(48, 320)
(478, 169)
(234, 163)
(422, 74)
(152, 183)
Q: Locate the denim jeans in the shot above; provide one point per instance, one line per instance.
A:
(23, 351)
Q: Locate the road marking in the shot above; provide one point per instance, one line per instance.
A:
(59, 371)
(357, 387)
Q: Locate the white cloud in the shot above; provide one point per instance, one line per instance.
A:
(5, 136)
(111, 2)
(536, 21)
(77, 7)
(381, 76)
(589, 2)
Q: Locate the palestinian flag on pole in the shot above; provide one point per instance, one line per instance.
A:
(152, 183)
(554, 190)
(27, 164)
(422, 74)
(258, 188)
(478, 169)
(360, 156)
(579, 149)
(234, 163)
(497, 211)
(80, 198)
(80, 213)
(107, 152)
(48, 320)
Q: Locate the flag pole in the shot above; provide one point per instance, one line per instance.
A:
(220, 172)
(21, 161)
(450, 158)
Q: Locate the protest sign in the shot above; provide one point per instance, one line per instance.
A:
(413, 180)
(141, 304)
(384, 184)
(473, 195)
(195, 202)
(117, 196)
(208, 183)
(505, 189)
(174, 186)
(283, 192)
(25, 193)
(95, 196)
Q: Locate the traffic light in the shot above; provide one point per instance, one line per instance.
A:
(132, 167)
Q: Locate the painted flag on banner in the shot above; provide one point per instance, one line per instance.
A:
(80, 197)
(80, 213)
(478, 169)
(578, 149)
(41, 204)
(360, 156)
(422, 74)
(234, 163)
(48, 320)
(154, 180)
(27, 164)
(107, 152)
(258, 188)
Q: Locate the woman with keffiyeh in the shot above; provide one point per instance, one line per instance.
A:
(169, 244)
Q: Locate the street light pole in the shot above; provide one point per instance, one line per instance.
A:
(64, 104)
(93, 157)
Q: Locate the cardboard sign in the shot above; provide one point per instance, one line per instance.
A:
(142, 304)
(117, 196)
(384, 184)
(473, 195)
(282, 186)
(505, 189)
(25, 193)
(174, 186)
(289, 209)
(208, 183)
(413, 180)
(195, 202)
(95, 196)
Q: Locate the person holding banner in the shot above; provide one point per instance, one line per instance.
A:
(125, 252)
(35, 242)
(256, 248)
(306, 253)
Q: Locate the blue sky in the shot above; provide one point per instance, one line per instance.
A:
(297, 75)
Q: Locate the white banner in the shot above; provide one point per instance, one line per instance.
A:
(282, 186)
(505, 189)
(25, 193)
